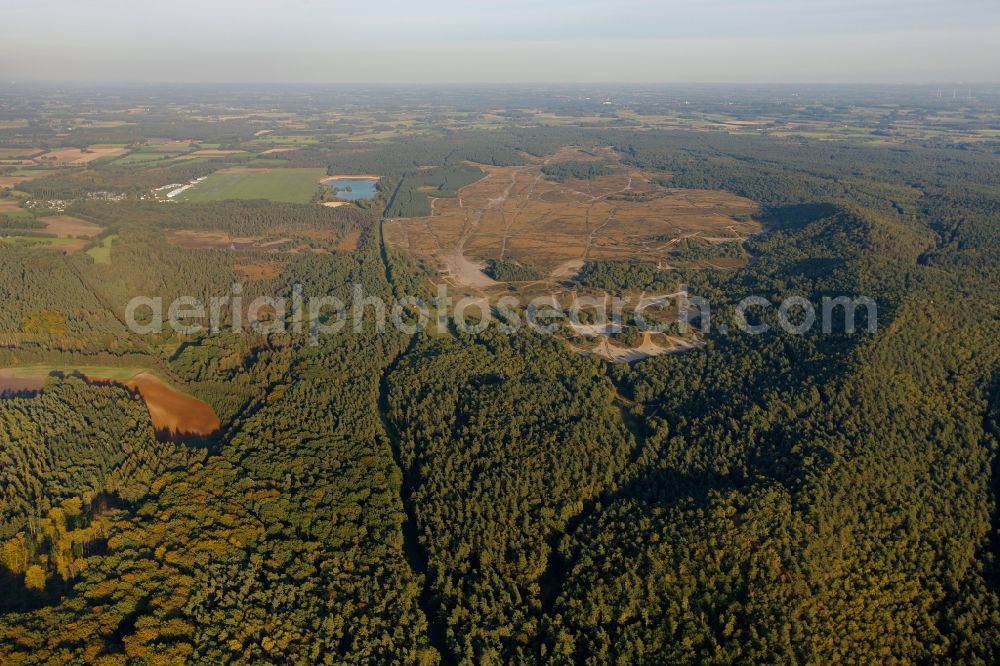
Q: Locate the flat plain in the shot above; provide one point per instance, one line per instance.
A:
(285, 185)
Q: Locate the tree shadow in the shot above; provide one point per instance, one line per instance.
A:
(794, 216)
(16, 597)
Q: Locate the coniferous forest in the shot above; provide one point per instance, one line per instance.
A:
(460, 496)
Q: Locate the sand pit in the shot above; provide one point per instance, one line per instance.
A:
(648, 348)
(567, 269)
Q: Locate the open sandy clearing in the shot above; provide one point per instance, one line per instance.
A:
(350, 176)
(648, 348)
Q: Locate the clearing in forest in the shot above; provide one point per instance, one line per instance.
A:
(263, 270)
(175, 415)
(287, 185)
(67, 226)
(209, 239)
(101, 253)
(518, 214)
(534, 227)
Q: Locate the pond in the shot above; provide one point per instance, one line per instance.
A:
(352, 189)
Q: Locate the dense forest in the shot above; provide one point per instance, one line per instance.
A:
(579, 170)
(458, 498)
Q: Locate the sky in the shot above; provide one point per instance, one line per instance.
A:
(500, 41)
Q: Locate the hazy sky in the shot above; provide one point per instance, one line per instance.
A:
(500, 40)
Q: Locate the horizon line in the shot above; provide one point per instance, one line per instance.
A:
(53, 82)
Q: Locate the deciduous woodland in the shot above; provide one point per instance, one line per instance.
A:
(447, 497)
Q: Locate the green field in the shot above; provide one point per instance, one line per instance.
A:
(37, 241)
(287, 185)
(102, 252)
(144, 157)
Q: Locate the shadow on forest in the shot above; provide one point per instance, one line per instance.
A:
(793, 216)
(993, 431)
(15, 596)
(660, 487)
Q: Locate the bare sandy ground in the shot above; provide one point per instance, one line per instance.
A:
(466, 273)
(647, 349)
(567, 269)
(593, 330)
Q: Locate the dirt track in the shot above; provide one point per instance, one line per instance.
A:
(516, 213)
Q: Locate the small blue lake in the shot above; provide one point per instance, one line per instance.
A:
(353, 189)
